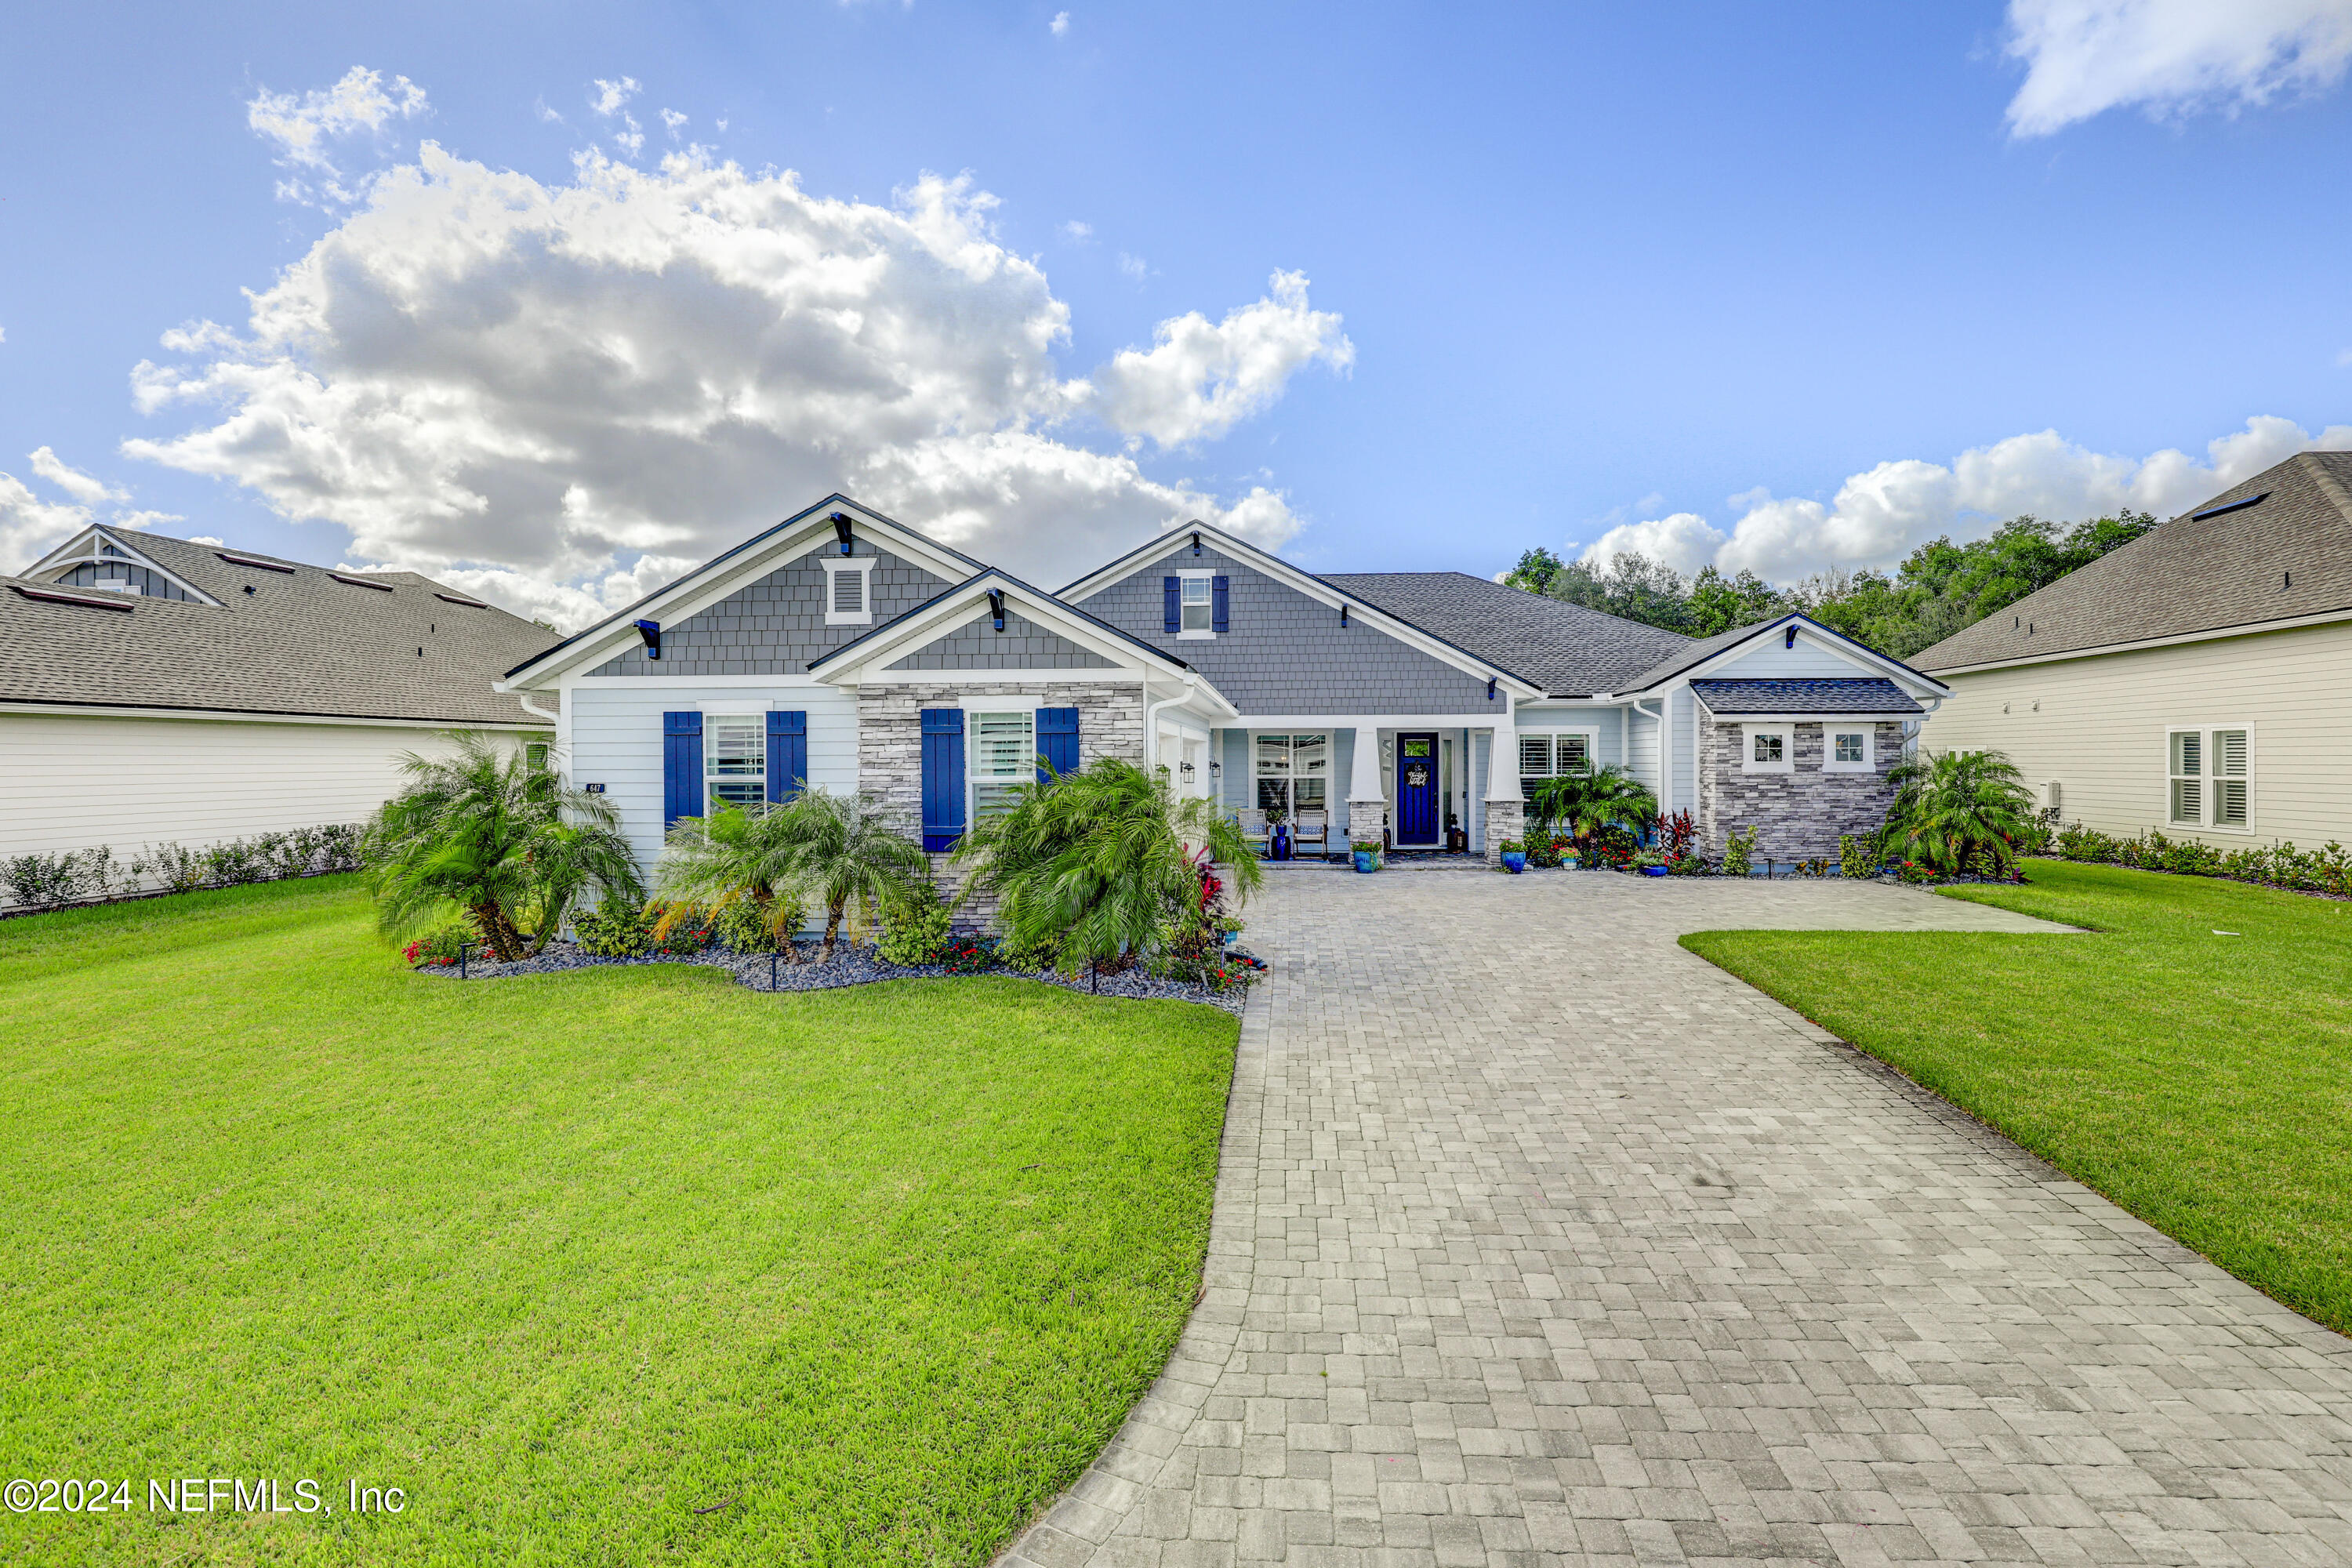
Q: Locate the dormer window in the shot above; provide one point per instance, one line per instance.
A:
(849, 593)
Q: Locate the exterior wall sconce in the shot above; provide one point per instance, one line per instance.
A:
(1185, 768)
(996, 606)
(841, 529)
(1343, 614)
(1215, 768)
(1790, 640)
(651, 632)
(1490, 689)
(1196, 541)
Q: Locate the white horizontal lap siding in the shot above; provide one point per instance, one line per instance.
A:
(1806, 661)
(2100, 729)
(616, 741)
(77, 781)
(1679, 707)
(1642, 748)
(1608, 744)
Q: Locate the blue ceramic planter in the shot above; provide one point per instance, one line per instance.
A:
(1653, 871)
(1515, 861)
(1367, 859)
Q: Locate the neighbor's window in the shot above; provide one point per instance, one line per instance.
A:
(735, 753)
(2207, 782)
(1003, 757)
(1545, 757)
(1198, 609)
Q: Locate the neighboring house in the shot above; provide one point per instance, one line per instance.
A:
(843, 649)
(157, 690)
(2193, 681)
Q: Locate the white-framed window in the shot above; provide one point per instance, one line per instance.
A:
(849, 593)
(1550, 754)
(1767, 749)
(1847, 749)
(735, 758)
(1196, 604)
(1293, 775)
(2208, 778)
(1002, 756)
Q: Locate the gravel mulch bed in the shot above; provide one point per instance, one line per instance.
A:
(851, 965)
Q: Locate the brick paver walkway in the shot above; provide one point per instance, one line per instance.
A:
(1538, 1239)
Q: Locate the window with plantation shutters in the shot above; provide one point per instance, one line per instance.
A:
(2208, 779)
(1550, 756)
(2229, 763)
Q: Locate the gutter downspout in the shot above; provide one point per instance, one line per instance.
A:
(531, 707)
(1151, 716)
(1665, 772)
(1911, 727)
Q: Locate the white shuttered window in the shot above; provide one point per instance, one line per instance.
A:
(2208, 778)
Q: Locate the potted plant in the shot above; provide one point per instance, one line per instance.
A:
(1367, 853)
(1515, 855)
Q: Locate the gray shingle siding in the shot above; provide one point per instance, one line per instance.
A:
(776, 626)
(1022, 645)
(1287, 653)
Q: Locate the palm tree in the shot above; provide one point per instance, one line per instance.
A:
(1951, 806)
(1588, 802)
(734, 855)
(1102, 860)
(837, 850)
(499, 834)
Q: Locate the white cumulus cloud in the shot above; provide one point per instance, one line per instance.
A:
(1200, 379)
(561, 395)
(84, 487)
(1060, 24)
(29, 526)
(303, 126)
(2169, 57)
(1880, 516)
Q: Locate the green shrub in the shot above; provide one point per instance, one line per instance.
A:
(614, 929)
(967, 955)
(1737, 850)
(680, 928)
(913, 928)
(43, 882)
(1857, 855)
(740, 925)
(1034, 958)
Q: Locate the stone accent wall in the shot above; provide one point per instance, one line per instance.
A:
(1799, 815)
(1368, 822)
(890, 745)
(1505, 820)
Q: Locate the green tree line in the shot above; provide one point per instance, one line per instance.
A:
(1941, 588)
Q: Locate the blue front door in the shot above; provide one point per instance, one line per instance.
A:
(1416, 789)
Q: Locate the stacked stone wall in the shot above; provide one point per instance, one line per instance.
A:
(1799, 815)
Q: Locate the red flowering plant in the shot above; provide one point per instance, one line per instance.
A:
(967, 955)
(438, 948)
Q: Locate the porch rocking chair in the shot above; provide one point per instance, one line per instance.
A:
(1254, 828)
(1313, 827)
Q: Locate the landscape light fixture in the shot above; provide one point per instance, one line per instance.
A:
(996, 606)
(651, 632)
(841, 529)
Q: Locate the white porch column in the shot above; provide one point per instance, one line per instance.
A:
(1506, 812)
(1367, 804)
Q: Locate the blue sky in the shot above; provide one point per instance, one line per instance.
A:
(1780, 287)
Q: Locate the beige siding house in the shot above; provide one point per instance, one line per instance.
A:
(154, 689)
(2198, 680)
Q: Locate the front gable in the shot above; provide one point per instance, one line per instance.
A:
(778, 624)
(1290, 650)
(1024, 644)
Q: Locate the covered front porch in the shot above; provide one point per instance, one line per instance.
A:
(1412, 783)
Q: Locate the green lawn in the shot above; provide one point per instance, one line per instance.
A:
(869, 1274)
(2202, 1081)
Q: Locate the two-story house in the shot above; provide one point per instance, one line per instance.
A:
(844, 649)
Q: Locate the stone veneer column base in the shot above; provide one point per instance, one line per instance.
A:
(1505, 820)
(1367, 821)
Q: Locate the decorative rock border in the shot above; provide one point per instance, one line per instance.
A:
(851, 965)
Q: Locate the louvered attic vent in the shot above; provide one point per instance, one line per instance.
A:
(360, 583)
(469, 604)
(256, 564)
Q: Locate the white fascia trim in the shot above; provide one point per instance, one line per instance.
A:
(1306, 583)
(2251, 628)
(1305, 722)
(1911, 680)
(695, 593)
(800, 683)
(232, 716)
(1812, 718)
(83, 548)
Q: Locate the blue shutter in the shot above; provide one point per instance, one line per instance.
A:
(681, 767)
(787, 755)
(1219, 598)
(942, 777)
(1171, 594)
(1057, 742)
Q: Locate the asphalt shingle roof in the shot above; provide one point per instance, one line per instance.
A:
(2289, 555)
(1809, 696)
(302, 642)
(1568, 650)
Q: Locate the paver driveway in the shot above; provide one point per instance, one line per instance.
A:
(1539, 1238)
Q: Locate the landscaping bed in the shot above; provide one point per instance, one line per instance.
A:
(850, 965)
